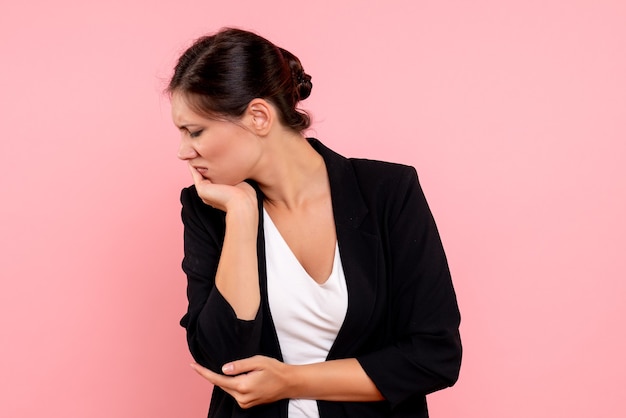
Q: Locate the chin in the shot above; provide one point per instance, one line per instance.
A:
(228, 182)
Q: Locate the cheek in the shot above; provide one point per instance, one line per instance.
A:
(213, 146)
(228, 145)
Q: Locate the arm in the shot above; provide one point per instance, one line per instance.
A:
(222, 321)
(424, 352)
(258, 380)
(334, 380)
(237, 277)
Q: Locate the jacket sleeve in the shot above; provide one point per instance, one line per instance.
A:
(214, 334)
(424, 350)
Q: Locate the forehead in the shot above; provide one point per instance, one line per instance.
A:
(182, 113)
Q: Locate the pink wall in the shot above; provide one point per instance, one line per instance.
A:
(513, 112)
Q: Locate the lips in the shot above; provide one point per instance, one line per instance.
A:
(202, 170)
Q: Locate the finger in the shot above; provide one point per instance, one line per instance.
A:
(197, 177)
(228, 383)
(243, 366)
(209, 375)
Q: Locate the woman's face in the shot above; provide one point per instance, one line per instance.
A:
(222, 151)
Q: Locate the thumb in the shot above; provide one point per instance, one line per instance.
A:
(240, 366)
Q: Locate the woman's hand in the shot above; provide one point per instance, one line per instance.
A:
(222, 196)
(258, 380)
(252, 381)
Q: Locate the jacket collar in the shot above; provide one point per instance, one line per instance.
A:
(358, 249)
(348, 205)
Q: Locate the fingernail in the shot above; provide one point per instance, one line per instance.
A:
(227, 368)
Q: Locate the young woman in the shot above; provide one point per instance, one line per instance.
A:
(317, 284)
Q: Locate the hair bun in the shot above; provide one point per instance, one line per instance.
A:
(303, 85)
(301, 80)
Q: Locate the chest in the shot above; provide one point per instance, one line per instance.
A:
(310, 235)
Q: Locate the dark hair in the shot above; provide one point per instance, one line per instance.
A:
(220, 74)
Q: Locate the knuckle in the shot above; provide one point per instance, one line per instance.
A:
(245, 402)
(243, 388)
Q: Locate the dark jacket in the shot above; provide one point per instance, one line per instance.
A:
(402, 320)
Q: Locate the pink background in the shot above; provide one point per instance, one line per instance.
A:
(513, 112)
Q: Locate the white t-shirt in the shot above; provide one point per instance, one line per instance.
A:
(307, 315)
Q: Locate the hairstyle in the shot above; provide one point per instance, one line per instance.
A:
(220, 74)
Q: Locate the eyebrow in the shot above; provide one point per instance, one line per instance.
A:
(188, 125)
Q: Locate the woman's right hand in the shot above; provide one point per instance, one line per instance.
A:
(237, 276)
(224, 197)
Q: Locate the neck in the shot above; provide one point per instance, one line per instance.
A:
(293, 174)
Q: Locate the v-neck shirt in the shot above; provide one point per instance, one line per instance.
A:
(307, 315)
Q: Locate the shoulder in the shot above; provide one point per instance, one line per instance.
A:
(360, 184)
(367, 172)
(376, 171)
(383, 180)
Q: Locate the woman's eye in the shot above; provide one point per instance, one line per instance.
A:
(195, 134)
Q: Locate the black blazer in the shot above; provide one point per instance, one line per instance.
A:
(402, 319)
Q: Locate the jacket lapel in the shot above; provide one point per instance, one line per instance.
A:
(357, 246)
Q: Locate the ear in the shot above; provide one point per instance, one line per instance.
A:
(260, 116)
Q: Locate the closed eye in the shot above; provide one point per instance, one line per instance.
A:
(196, 134)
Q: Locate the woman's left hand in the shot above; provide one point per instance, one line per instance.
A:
(252, 381)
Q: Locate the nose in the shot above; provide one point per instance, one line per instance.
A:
(186, 151)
